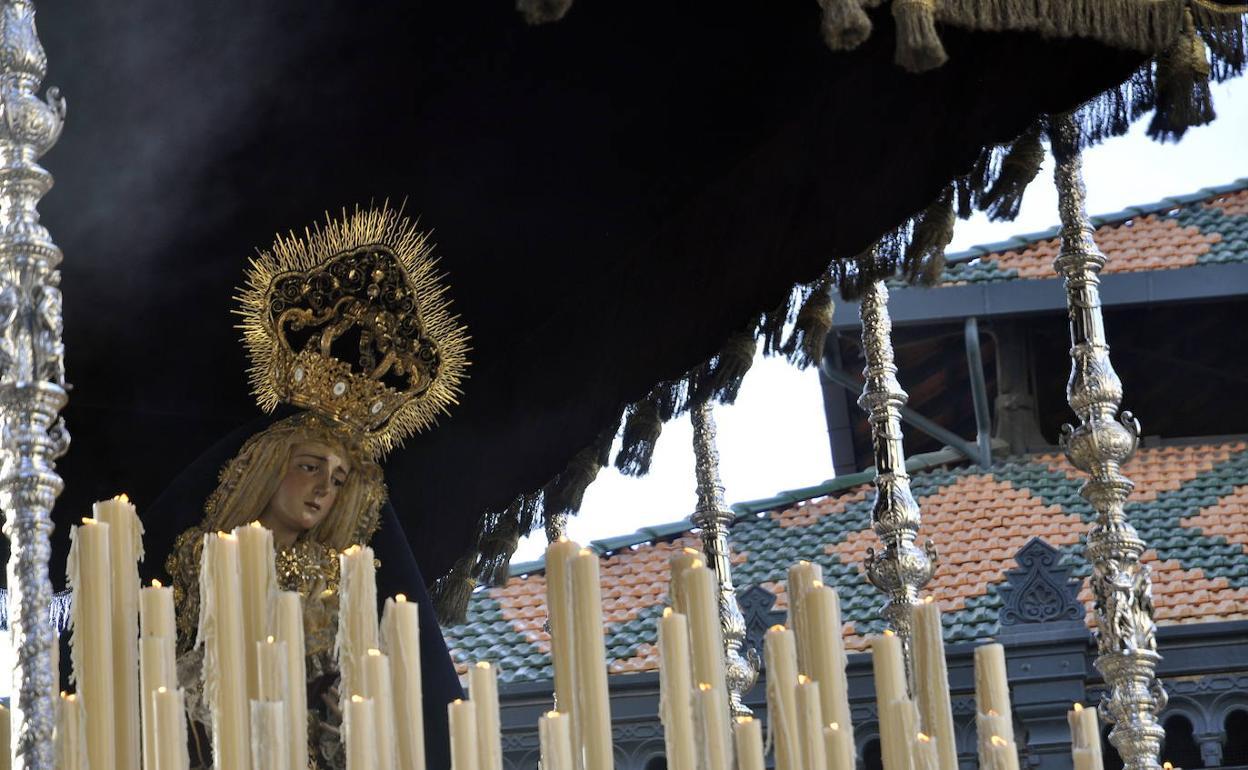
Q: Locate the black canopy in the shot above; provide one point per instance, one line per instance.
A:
(612, 195)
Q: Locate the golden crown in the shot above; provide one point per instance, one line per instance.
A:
(353, 322)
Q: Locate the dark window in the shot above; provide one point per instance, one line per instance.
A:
(1180, 748)
(1108, 752)
(1235, 751)
(871, 757)
(657, 763)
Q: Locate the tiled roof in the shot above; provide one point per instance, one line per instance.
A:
(1208, 227)
(1190, 505)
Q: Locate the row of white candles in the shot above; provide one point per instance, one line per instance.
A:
(807, 694)
(129, 711)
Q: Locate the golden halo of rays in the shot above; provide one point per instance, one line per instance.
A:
(384, 226)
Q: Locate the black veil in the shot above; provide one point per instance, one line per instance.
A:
(181, 506)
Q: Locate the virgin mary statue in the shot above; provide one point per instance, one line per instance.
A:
(353, 348)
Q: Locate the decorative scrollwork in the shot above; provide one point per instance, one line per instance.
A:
(1040, 590)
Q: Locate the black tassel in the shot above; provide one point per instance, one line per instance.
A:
(1018, 169)
(925, 256)
(1182, 84)
(543, 11)
(845, 25)
(805, 345)
(452, 591)
(498, 542)
(720, 378)
(641, 432)
(771, 325)
(566, 491)
(918, 46)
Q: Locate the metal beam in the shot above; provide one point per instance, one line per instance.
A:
(853, 383)
(979, 392)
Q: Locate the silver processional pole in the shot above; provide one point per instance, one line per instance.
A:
(713, 517)
(902, 569)
(32, 374)
(1099, 445)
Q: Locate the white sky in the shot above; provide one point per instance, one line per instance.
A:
(775, 436)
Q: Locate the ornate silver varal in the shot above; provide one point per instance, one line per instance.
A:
(1099, 445)
(713, 517)
(32, 373)
(902, 569)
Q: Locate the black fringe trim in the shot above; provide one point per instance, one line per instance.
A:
(642, 428)
(1175, 88)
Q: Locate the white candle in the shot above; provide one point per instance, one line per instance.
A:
(810, 723)
(992, 686)
(898, 729)
(156, 616)
(256, 561)
(780, 652)
(270, 658)
(1085, 732)
(748, 734)
(676, 691)
(700, 592)
(268, 734)
(931, 675)
(125, 552)
(400, 637)
(714, 727)
(289, 621)
(90, 578)
(156, 670)
(988, 725)
(169, 713)
(71, 737)
(994, 723)
(889, 667)
(897, 715)
(378, 688)
(677, 565)
(1002, 755)
(362, 734)
(357, 614)
(822, 617)
(555, 737)
(224, 671)
(802, 577)
(926, 753)
(1083, 760)
(559, 555)
(483, 692)
(463, 722)
(837, 745)
(593, 707)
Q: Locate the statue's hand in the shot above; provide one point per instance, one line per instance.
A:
(334, 710)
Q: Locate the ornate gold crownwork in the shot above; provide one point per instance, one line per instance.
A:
(353, 322)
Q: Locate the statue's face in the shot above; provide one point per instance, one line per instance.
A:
(309, 489)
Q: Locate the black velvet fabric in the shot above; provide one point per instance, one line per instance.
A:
(180, 506)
